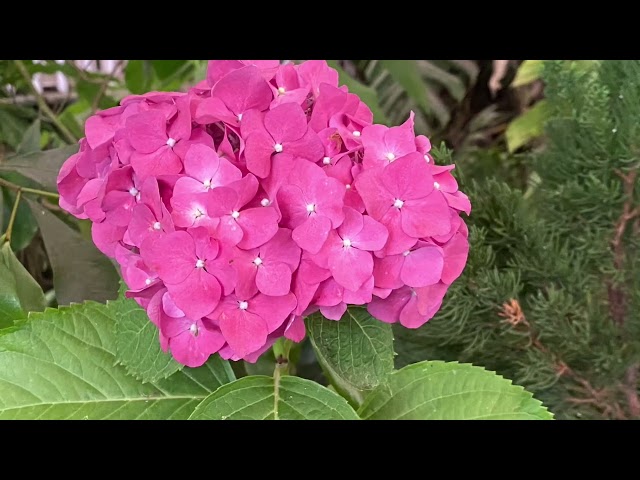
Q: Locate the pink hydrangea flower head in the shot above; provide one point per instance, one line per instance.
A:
(262, 195)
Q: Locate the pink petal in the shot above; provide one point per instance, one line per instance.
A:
(398, 241)
(388, 310)
(147, 131)
(373, 235)
(459, 201)
(246, 272)
(334, 312)
(295, 330)
(274, 279)
(351, 267)
(455, 256)
(229, 231)
(377, 199)
(244, 332)
(198, 295)
(243, 89)
(259, 226)
(422, 267)
(201, 162)
(258, 150)
(386, 271)
(161, 162)
(292, 205)
(361, 296)
(281, 248)
(410, 317)
(286, 122)
(171, 256)
(221, 201)
(106, 237)
(426, 217)
(308, 147)
(430, 299)
(142, 224)
(194, 351)
(274, 310)
(212, 110)
(408, 177)
(352, 224)
(312, 233)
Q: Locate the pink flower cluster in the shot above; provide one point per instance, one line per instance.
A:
(264, 194)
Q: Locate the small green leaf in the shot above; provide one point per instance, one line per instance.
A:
(528, 126)
(31, 139)
(435, 390)
(61, 364)
(367, 94)
(14, 121)
(528, 71)
(138, 76)
(407, 74)
(41, 167)
(80, 271)
(19, 292)
(166, 68)
(137, 343)
(264, 398)
(356, 353)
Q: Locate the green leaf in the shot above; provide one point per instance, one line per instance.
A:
(14, 121)
(19, 292)
(25, 226)
(367, 94)
(41, 167)
(407, 74)
(31, 139)
(166, 68)
(435, 390)
(137, 343)
(355, 353)
(80, 271)
(265, 398)
(528, 71)
(138, 76)
(61, 364)
(528, 126)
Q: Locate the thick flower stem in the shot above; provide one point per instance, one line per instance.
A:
(12, 218)
(281, 351)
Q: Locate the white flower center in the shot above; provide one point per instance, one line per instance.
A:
(194, 329)
(347, 186)
(426, 157)
(198, 213)
(235, 214)
(239, 117)
(398, 203)
(257, 262)
(326, 160)
(356, 133)
(157, 226)
(281, 90)
(436, 185)
(311, 208)
(207, 184)
(171, 142)
(200, 264)
(391, 157)
(346, 242)
(277, 147)
(405, 253)
(148, 281)
(134, 191)
(265, 202)
(243, 305)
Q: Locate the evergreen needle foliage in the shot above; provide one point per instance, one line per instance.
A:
(551, 292)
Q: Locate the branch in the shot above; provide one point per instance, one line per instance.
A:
(43, 104)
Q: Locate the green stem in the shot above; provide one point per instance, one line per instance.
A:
(281, 350)
(70, 137)
(18, 188)
(12, 218)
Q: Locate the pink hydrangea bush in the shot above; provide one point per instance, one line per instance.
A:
(260, 196)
